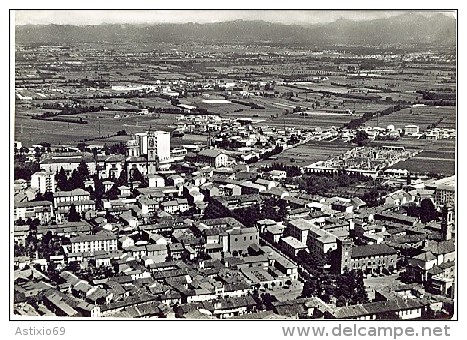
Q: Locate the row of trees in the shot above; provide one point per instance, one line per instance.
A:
(347, 288)
(291, 170)
(357, 122)
(426, 212)
(76, 180)
(319, 183)
(271, 208)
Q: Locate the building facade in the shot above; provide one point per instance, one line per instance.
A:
(43, 181)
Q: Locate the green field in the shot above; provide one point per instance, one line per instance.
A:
(437, 157)
(421, 116)
(311, 152)
(31, 131)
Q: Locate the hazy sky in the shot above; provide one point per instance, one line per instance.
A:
(95, 17)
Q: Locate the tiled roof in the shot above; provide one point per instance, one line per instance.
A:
(372, 250)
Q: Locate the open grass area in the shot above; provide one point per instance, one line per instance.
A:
(32, 131)
(420, 115)
(311, 152)
(437, 157)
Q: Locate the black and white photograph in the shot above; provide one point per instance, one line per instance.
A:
(233, 165)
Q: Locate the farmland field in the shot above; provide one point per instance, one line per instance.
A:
(310, 152)
(32, 131)
(421, 116)
(437, 157)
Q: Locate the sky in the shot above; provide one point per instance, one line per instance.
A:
(96, 17)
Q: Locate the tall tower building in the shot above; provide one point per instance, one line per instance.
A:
(344, 254)
(152, 155)
(447, 221)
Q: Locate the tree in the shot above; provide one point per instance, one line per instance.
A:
(83, 169)
(409, 179)
(310, 288)
(76, 180)
(274, 209)
(122, 178)
(25, 170)
(47, 196)
(136, 175)
(361, 138)
(427, 211)
(81, 146)
(62, 180)
(99, 191)
(268, 299)
(371, 198)
(249, 216)
(312, 260)
(73, 215)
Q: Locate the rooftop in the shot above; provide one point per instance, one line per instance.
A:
(372, 250)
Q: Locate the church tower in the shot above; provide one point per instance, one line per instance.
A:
(152, 158)
(344, 254)
(447, 222)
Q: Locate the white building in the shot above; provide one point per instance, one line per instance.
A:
(72, 196)
(92, 243)
(43, 181)
(159, 141)
(412, 129)
(156, 181)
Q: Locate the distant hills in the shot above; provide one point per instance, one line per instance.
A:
(403, 29)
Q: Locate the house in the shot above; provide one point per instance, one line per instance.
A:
(274, 232)
(69, 161)
(398, 198)
(41, 210)
(157, 253)
(126, 242)
(80, 206)
(277, 174)
(321, 241)
(435, 254)
(373, 258)
(91, 243)
(70, 196)
(291, 246)
(212, 157)
(299, 229)
(228, 307)
(124, 191)
(109, 166)
(43, 181)
(176, 250)
(237, 241)
(175, 206)
(156, 181)
(396, 308)
(148, 206)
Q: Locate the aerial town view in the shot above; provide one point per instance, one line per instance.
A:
(235, 169)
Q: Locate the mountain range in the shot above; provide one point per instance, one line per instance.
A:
(406, 28)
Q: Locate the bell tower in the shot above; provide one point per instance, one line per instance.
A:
(152, 159)
(344, 254)
(447, 222)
